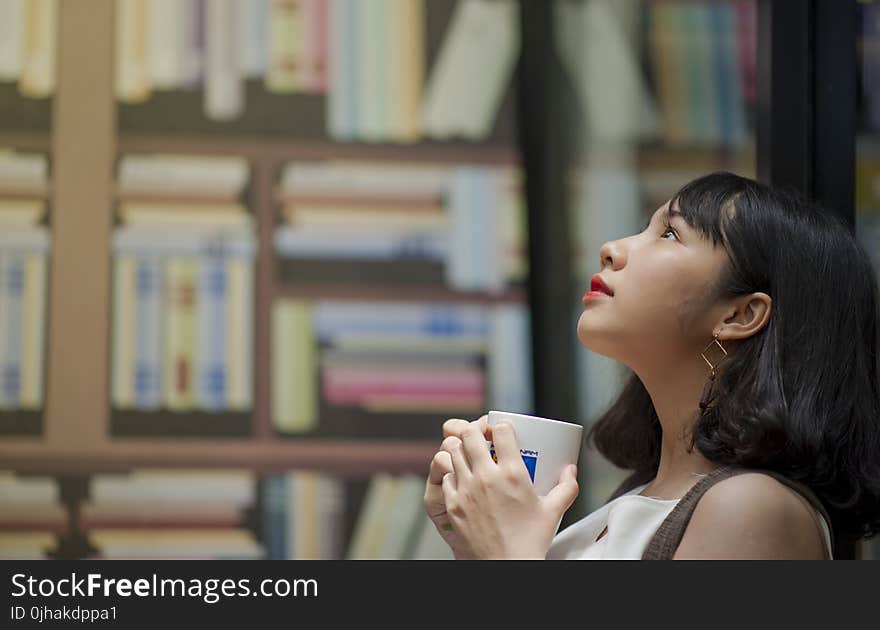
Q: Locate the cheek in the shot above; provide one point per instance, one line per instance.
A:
(654, 299)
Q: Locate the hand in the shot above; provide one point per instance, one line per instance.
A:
(492, 507)
(441, 464)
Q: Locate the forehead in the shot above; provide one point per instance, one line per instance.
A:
(669, 212)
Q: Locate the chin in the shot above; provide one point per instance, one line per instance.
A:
(593, 339)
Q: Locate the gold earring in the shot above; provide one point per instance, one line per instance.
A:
(703, 354)
(710, 382)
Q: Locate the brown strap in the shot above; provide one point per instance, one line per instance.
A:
(667, 538)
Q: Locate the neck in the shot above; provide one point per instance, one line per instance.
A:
(676, 396)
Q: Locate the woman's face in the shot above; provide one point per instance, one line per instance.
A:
(663, 306)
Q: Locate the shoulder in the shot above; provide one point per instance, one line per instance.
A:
(752, 515)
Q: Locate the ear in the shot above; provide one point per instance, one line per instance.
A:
(747, 316)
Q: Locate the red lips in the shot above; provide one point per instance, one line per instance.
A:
(596, 284)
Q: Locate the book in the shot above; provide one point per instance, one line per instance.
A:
(179, 391)
(390, 513)
(303, 514)
(192, 60)
(39, 61)
(383, 182)
(475, 206)
(21, 212)
(664, 37)
(254, 37)
(294, 367)
(328, 243)
(124, 282)
(133, 82)
(598, 48)
(178, 543)
(351, 383)
(479, 48)
(159, 514)
(513, 227)
(285, 45)
(240, 333)
(192, 240)
(166, 214)
(21, 489)
(354, 217)
(211, 327)
(12, 28)
(166, 33)
(182, 175)
(27, 517)
(315, 511)
(704, 79)
(343, 47)
(372, 76)
(25, 239)
(27, 545)
(747, 46)
(406, 514)
(180, 487)
(149, 294)
(23, 171)
(12, 270)
(399, 319)
(731, 98)
(509, 363)
(407, 68)
(33, 333)
(224, 85)
(30, 503)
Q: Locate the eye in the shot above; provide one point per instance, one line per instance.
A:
(668, 230)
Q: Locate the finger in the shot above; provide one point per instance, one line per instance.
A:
(476, 450)
(457, 426)
(454, 426)
(460, 465)
(504, 440)
(440, 465)
(450, 444)
(560, 498)
(449, 483)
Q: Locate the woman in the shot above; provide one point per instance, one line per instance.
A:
(749, 319)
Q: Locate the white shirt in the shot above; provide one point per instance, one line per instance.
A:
(632, 520)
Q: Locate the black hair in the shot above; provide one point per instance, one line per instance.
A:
(800, 397)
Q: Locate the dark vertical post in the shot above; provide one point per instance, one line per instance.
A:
(784, 116)
(834, 94)
(543, 142)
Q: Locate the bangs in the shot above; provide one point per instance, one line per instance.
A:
(708, 204)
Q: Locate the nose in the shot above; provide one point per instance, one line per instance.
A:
(611, 253)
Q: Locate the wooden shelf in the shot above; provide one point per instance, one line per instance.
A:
(173, 197)
(403, 293)
(42, 193)
(26, 141)
(355, 458)
(259, 148)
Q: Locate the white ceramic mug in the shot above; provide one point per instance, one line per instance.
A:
(547, 446)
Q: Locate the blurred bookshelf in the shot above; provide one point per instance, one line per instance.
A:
(94, 436)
